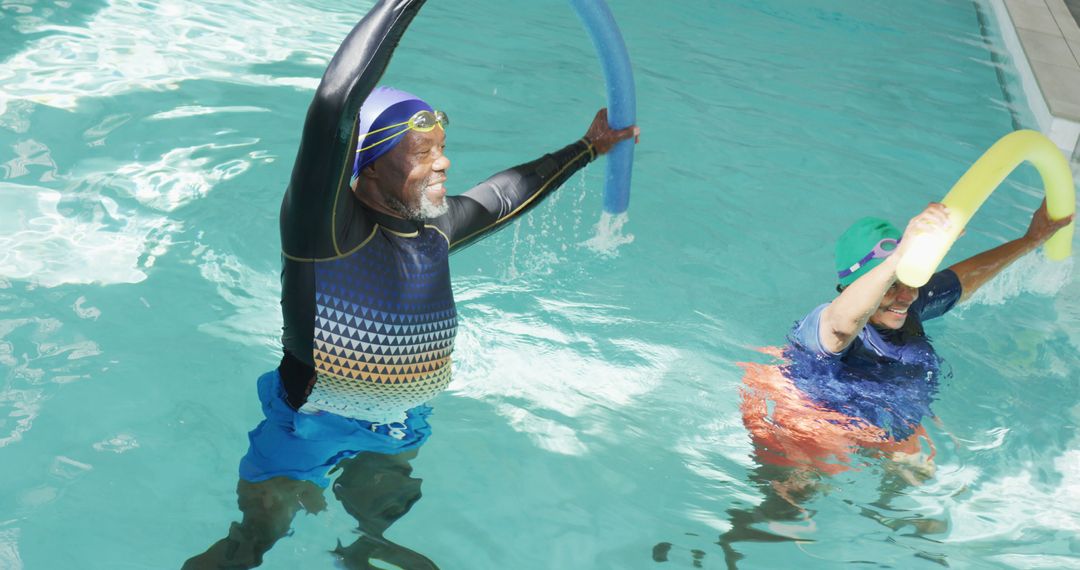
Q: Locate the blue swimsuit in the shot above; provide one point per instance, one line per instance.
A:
(886, 378)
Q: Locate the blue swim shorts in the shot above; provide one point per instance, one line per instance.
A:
(306, 446)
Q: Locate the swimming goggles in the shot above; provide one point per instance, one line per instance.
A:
(423, 121)
(878, 252)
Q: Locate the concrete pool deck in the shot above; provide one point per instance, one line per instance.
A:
(1044, 39)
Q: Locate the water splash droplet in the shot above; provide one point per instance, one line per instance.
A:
(609, 235)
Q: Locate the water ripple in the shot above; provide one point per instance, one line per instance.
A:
(181, 175)
(548, 383)
(154, 44)
(50, 246)
(35, 358)
(9, 548)
(251, 295)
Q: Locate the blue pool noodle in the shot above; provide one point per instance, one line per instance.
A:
(622, 101)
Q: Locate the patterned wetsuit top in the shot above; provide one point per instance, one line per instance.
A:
(369, 311)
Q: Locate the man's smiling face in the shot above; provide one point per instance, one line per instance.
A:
(409, 179)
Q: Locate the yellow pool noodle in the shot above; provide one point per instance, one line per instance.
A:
(922, 258)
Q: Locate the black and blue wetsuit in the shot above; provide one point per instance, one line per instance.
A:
(369, 312)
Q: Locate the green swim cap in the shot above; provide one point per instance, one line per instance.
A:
(857, 244)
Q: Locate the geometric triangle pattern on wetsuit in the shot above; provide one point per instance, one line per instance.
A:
(384, 327)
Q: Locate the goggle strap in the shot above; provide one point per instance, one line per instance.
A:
(407, 124)
(872, 255)
(373, 145)
(386, 128)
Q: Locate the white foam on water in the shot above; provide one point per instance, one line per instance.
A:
(20, 407)
(1033, 273)
(609, 235)
(991, 439)
(1018, 503)
(545, 433)
(29, 153)
(1067, 304)
(541, 241)
(509, 366)
(80, 235)
(120, 443)
(85, 312)
(251, 293)
(48, 247)
(36, 359)
(535, 372)
(9, 548)
(711, 519)
(180, 176)
(64, 467)
(1035, 561)
(1009, 508)
(725, 436)
(199, 110)
(135, 45)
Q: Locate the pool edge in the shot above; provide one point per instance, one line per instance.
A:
(1041, 71)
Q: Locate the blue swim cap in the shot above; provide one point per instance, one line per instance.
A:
(384, 106)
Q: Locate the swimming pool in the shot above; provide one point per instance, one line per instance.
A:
(594, 411)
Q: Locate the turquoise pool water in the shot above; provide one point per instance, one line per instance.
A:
(144, 147)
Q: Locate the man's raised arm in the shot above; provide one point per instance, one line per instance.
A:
(324, 160)
(975, 271)
(488, 206)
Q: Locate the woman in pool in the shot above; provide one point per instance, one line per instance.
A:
(860, 372)
(865, 353)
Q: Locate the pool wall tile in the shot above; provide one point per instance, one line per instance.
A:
(1060, 85)
(1047, 48)
(1044, 38)
(1032, 16)
(1065, 19)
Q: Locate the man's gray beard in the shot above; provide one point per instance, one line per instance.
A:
(430, 210)
(425, 210)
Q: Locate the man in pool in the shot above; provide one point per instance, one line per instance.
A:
(366, 228)
(860, 372)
